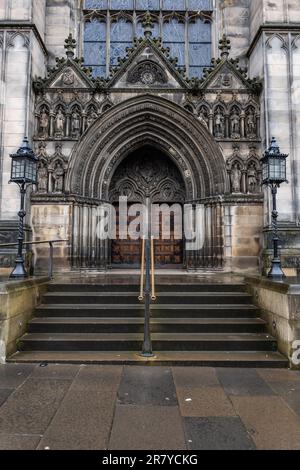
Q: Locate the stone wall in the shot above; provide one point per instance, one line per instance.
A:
(17, 303)
(280, 303)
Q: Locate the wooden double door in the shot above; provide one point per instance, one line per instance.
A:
(147, 171)
(168, 252)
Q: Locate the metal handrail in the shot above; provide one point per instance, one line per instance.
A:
(42, 242)
(153, 293)
(141, 296)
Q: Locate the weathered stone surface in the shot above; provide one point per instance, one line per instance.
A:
(147, 427)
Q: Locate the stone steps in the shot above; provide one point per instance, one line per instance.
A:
(205, 324)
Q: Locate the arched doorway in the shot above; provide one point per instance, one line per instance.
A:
(180, 139)
(148, 172)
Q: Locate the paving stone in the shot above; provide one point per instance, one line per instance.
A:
(147, 386)
(30, 408)
(278, 375)
(271, 423)
(84, 419)
(4, 394)
(106, 377)
(195, 376)
(147, 428)
(56, 371)
(18, 442)
(242, 382)
(217, 433)
(204, 402)
(13, 375)
(289, 390)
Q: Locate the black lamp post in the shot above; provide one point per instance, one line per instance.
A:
(23, 173)
(274, 173)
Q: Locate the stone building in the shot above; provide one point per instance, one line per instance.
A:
(147, 110)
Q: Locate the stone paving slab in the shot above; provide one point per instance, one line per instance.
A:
(147, 427)
(147, 386)
(30, 408)
(269, 420)
(13, 375)
(84, 419)
(162, 408)
(4, 394)
(18, 442)
(243, 382)
(217, 433)
(204, 402)
(55, 371)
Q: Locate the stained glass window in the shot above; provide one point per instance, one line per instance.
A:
(180, 23)
(121, 37)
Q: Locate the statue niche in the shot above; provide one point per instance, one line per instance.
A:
(43, 123)
(57, 168)
(251, 128)
(59, 123)
(219, 123)
(42, 169)
(235, 123)
(203, 115)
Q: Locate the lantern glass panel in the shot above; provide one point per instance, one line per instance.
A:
(18, 168)
(30, 174)
(265, 170)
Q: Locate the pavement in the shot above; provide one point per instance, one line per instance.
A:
(150, 408)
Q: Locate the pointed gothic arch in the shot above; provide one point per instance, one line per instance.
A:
(158, 122)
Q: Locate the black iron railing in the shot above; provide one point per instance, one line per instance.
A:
(51, 244)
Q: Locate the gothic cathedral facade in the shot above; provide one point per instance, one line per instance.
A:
(174, 98)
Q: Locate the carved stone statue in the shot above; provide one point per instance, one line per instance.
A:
(235, 124)
(252, 179)
(58, 176)
(236, 176)
(219, 124)
(42, 175)
(76, 124)
(43, 124)
(60, 123)
(91, 117)
(250, 125)
(203, 118)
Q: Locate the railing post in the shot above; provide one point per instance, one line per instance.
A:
(147, 344)
(51, 260)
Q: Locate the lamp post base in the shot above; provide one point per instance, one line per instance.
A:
(19, 271)
(276, 272)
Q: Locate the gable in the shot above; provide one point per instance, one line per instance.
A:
(68, 76)
(227, 75)
(149, 68)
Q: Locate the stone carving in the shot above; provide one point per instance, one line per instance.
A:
(151, 174)
(236, 176)
(44, 123)
(219, 123)
(60, 123)
(58, 177)
(252, 179)
(203, 116)
(57, 168)
(68, 77)
(42, 176)
(235, 127)
(147, 73)
(251, 130)
(75, 123)
(92, 116)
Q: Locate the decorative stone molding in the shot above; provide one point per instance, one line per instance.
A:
(148, 73)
